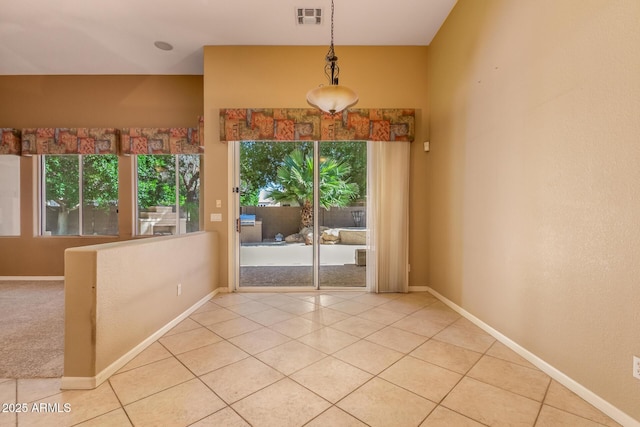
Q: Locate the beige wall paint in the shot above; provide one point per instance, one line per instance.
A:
(119, 294)
(100, 101)
(280, 76)
(85, 101)
(534, 181)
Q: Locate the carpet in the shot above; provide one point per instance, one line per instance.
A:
(32, 331)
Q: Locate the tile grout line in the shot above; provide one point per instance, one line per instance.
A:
(404, 354)
(546, 392)
(359, 339)
(288, 376)
(484, 354)
(174, 356)
(373, 376)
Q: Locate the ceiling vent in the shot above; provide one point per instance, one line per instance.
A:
(308, 16)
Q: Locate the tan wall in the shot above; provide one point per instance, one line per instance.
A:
(280, 76)
(85, 101)
(119, 294)
(534, 180)
(100, 101)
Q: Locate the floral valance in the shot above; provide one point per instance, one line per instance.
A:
(299, 124)
(10, 142)
(69, 141)
(162, 140)
(30, 141)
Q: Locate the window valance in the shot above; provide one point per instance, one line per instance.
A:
(10, 142)
(161, 141)
(299, 124)
(30, 141)
(69, 141)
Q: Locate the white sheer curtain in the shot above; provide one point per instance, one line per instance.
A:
(388, 216)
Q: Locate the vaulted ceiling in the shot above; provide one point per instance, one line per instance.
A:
(117, 36)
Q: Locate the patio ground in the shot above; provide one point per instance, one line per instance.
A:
(289, 264)
(293, 254)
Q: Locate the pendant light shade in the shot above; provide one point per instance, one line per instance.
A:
(332, 98)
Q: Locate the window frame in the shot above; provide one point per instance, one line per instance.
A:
(42, 202)
(16, 222)
(176, 205)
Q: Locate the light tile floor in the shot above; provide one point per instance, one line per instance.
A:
(340, 358)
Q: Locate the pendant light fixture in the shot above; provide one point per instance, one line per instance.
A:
(332, 98)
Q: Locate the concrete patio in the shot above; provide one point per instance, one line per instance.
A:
(290, 264)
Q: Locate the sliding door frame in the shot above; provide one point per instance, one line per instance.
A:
(234, 240)
(234, 243)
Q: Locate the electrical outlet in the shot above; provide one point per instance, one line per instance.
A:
(179, 289)
(636, 367)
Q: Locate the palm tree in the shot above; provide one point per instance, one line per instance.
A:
(295, 184)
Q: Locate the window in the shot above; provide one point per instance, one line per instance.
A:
(168, 202)
(9, 195)
(80, 195)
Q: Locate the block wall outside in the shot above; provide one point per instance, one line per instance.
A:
(286, 219)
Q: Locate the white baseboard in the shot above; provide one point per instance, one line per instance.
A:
(419, 288)
(87, 383)
(586, 394)
(78, 383)
(31, 278)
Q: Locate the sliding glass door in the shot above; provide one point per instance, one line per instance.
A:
(301, 214)
(342, 214)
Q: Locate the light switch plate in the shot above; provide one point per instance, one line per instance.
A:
(216, 217)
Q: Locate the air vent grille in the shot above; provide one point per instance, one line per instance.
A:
(308, 16)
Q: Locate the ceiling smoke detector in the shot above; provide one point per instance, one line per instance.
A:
(308, 16)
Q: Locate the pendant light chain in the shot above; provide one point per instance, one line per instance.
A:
(331, 24)
(332, 98)
(331, 69)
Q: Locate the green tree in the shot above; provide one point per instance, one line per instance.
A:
(100, 180)
(189, 190)
(259, 162)
(156, 180)
(295, 183)
(157, 184)
(353, 153)
(62, 185)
